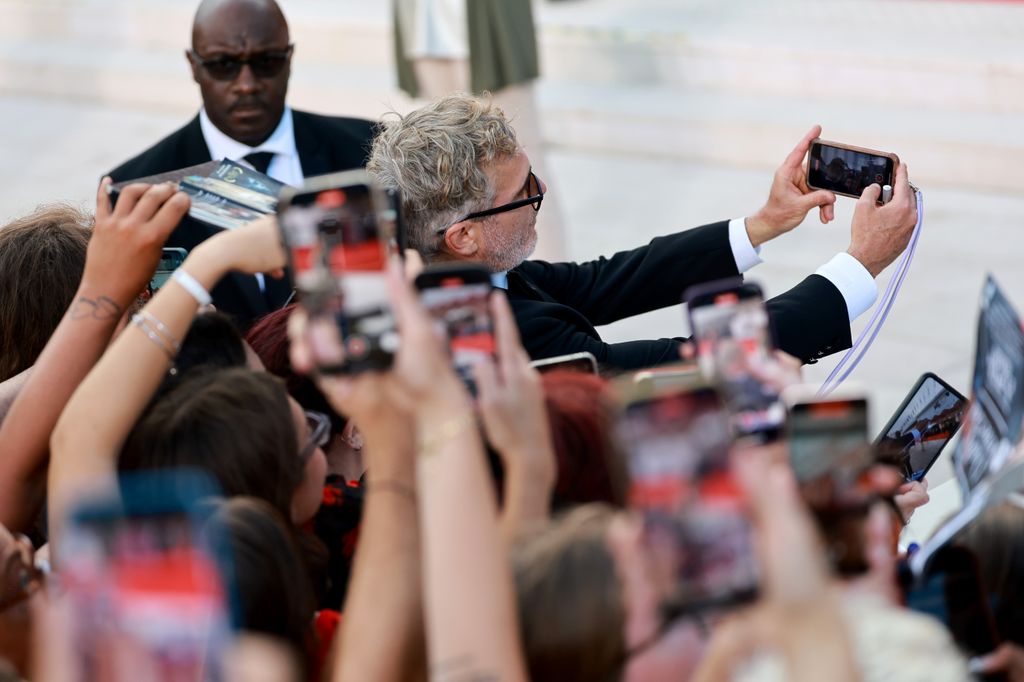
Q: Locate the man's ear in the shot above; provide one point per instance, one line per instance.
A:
(461, 239)
(192, 64)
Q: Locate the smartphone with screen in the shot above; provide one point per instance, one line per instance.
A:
(573, 362)
(731, 328)
(394, 197)
(171, 259)
(828, 445)
(921, 427)
(848, 170)
(339, 230)
(148, 592)
(697, 530)
(458, 298)
(831, 458)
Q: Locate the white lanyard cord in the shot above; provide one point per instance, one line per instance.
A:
(860, 346)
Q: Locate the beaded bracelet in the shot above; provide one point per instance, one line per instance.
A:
(170, 350)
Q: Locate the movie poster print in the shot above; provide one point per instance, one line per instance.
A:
(993, 423)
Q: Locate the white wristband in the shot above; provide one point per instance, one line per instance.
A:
(192, 286)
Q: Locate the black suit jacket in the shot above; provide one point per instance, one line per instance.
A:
(326, 144)
(557, 305)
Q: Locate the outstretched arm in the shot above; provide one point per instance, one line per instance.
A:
(381, 636)
(123, 253)
(110, 400)
(511, 402)
(467, 582)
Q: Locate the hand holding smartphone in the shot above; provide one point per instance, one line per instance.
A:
(457, 297)
(733, 334)
(148, 593)
(923, 424)
(696, 525)
(848, 170)
(339, 230)
(831, 456)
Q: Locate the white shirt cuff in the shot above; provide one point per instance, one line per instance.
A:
(743, 251)
(854, 282)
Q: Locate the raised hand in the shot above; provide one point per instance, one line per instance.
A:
(790, 198)
(910, 496)
(515, 419)
(126, 242)
(421, 366)
(511, 398)
(878, 234)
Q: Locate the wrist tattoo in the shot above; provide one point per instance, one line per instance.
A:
(100, 308)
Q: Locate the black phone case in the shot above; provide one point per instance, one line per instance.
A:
(903, 406)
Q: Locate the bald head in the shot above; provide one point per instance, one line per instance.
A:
(241, 59)
(248, 16)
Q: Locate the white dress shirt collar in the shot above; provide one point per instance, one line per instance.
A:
(499, 280)
(284, 167)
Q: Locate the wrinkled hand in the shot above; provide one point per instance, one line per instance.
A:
(126, 242)
(790, 198)
(511, 401)
(879, 234)
(910, 496)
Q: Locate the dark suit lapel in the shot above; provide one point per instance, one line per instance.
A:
(194, 146)
(251, 292)
(312, 152)
(519, 284)
(278, 291)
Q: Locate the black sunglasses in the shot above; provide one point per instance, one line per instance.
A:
(263, 64)
(535, 198)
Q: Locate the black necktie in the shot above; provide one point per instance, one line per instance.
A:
(260, 160)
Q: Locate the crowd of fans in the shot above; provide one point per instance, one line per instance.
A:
(393, 525)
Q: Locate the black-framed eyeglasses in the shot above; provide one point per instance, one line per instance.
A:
(263, 64)
(319, 433)
(535, 196)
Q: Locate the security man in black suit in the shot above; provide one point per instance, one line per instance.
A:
(484, 209)
(241, 60)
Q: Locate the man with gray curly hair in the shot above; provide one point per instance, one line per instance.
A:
(466, 184)
(446, 158)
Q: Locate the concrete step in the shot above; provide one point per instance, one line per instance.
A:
(727, 82)
(951, 55)
(958, 56)
(959, 149)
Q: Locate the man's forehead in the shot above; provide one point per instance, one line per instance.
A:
(242, 25)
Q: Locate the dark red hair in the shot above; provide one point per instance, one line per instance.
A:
(269, 339)
(581, 409)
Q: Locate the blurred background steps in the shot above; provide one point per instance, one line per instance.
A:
(721, 81)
